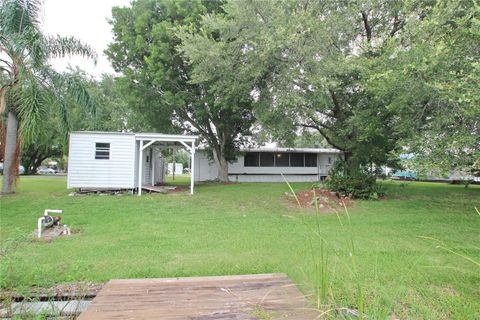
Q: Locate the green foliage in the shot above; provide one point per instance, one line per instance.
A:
(113, 113)
(430, 77)
(29, 87)
(252, 231)
(354, 183)
(370, 77)
(29, 83)
(160, 49)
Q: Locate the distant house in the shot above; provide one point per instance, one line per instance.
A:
(268, 165)
(110, 160)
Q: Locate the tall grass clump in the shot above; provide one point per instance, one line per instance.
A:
(8, 259)
(321, 262)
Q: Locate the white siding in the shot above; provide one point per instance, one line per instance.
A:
(146, 166)
(206, 170)
(84, 171)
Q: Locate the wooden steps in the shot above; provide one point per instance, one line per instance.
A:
(265, 296)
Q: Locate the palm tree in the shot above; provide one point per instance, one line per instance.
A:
(28, 84)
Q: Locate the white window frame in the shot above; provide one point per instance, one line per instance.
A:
(102, 149)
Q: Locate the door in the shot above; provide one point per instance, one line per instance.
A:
(159, 165)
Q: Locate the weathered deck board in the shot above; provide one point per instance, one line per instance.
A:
(160, 189)
(201, 298)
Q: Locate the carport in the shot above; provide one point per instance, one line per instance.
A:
(163, 141)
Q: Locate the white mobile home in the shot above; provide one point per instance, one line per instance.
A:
(268, 165)
(109, 160)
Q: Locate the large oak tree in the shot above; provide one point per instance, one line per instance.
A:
(158, 83)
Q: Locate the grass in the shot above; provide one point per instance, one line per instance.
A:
(247, 228)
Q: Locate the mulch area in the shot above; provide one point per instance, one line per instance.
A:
(327, 200)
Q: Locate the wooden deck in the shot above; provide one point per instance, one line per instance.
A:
(160, 189)
(266, 296)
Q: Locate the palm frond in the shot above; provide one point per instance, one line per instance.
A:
(32, 108)
(59, 47)
(17, 15)
(67, 84)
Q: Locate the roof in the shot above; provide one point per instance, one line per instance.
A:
(164, 137)
(188, 138)
(299, 150)
(105, 132)
(291, 150)
(146, 136)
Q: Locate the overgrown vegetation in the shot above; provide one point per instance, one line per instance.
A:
(357, 183)
(247, 228)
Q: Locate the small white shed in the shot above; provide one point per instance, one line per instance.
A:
(111, 160)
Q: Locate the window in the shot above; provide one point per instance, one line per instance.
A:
(296, 160)
(251, 159)
(282, 160)
(102, 151)
(310, 159)
(329, 160)
(267, 159)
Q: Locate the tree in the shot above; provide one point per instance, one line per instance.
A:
(161, 83)
(310, 61)
(47, 143)
(113, 112)
(431, 78)
(29, 86)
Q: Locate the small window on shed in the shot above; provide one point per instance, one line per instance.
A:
(102, 151)
(329, 160)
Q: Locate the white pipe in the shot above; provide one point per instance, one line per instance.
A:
(42, 219)
(39, 226)
(47, 211)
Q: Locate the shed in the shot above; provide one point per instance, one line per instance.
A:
(112, 160)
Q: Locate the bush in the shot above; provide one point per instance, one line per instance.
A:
(358, 184)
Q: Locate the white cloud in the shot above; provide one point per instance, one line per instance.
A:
(87, 20)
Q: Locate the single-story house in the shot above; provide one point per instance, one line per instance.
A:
(110, 160)
(268, 165)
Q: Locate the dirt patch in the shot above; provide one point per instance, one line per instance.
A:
(327, 200)
(51, 233)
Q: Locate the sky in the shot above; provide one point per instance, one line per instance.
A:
(87, 20)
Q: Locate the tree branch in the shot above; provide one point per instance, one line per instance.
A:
(368, 29)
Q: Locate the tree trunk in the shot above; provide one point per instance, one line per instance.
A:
(36, 165)
(222, 165)
(349, 163)
(9, 158)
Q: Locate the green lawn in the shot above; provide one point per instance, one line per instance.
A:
(247, 228)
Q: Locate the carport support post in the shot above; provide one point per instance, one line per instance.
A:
(173, 164)
(192, 167)
(140, 163)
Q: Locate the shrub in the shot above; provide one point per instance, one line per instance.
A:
(357, 184)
